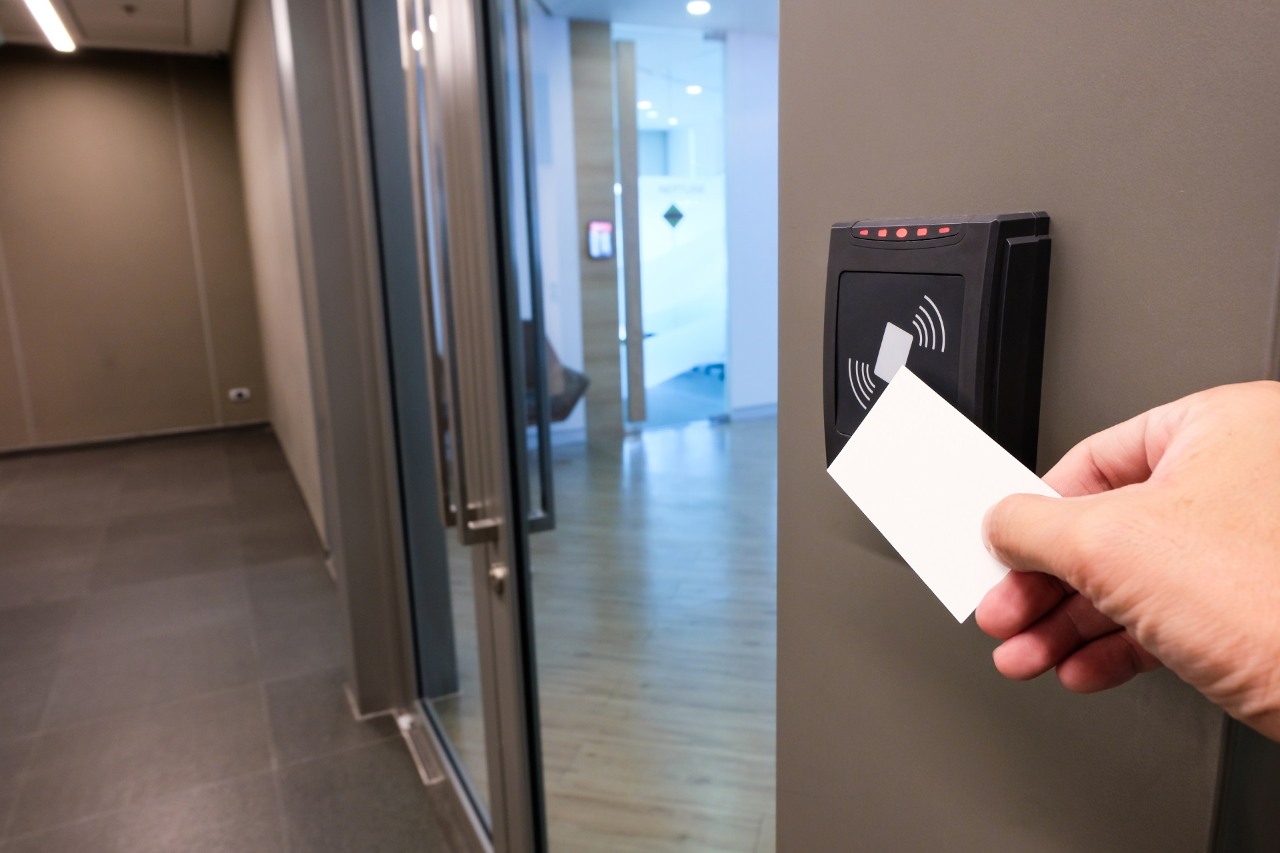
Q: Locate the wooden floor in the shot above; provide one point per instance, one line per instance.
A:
(655, 608)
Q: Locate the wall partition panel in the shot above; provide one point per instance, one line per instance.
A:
(894, 727)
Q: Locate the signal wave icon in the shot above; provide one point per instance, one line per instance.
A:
(861, 382)
(930, 334)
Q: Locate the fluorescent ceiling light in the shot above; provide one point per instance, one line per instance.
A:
(644, 105)
(698, 7)
(694, 89)
(51, 24)
(673, 121)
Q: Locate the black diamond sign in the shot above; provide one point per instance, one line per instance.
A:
(673, 215)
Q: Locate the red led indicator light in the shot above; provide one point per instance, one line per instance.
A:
(883, 232)
(920, 232)
(864, 232)
(945, 229)
(901, 232)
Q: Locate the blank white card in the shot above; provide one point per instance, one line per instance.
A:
(925, 476)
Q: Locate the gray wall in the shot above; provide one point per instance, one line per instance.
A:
(1150, 133)
(126, 296)
(272, 232)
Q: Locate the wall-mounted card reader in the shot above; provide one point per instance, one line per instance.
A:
(961, 301)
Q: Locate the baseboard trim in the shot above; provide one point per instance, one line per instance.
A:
(128, 438)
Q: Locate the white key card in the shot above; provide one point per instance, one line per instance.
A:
(925, 476)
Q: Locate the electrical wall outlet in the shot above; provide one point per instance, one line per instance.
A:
(239, 395)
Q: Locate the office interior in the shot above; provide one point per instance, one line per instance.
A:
(411, 419)
(177, 260)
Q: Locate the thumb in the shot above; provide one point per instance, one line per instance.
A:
(1033, 533)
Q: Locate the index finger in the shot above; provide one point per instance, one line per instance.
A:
(1121, 455)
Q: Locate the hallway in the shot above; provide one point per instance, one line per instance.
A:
(171, 663)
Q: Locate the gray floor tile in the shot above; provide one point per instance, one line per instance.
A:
(266, 538)
(170, 521)
(35, 632)
(48, 543)
(155, 546)
(145, 590)
(285, 584)
(94, 681)
(364, 799)
(124, 761)
(297, 640)
(22, 586)
(311, 717)
(171, 490)
(239, 816)
(50, 495)
(24, 689)
(13, 764)
(160, 607)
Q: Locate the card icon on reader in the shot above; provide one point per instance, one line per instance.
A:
(895, 347)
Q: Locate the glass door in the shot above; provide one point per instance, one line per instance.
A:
(595, 648)
(652, 600)
(459, 336)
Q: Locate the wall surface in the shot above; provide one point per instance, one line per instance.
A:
(751, 203)
(1149, 132)
(260, 123)
(127, 297)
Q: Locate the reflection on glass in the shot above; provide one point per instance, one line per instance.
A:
(447, 630)
(460, 714)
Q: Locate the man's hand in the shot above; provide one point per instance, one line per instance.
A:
(1165, 548)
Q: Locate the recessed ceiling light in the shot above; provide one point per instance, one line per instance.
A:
(644, 105)
(698, 7)
(416, 40)
(432, 24)
(694, 89)
(651, 114)
(673, 121)
(51, 25)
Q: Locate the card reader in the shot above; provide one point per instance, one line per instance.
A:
(960, 299)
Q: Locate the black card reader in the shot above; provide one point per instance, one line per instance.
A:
(961, 301)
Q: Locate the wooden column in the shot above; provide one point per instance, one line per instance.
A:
(591, 51)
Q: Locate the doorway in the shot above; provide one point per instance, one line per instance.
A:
(595, 621)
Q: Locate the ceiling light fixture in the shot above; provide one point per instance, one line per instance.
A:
(432, 24)
(47, 17)
(698, 7)
(416, 40)
(644, 105)
(651, 114)
(673, 121)
(694, 89)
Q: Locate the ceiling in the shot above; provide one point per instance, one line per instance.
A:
(753, 16)
(164, 26)
(205, 26)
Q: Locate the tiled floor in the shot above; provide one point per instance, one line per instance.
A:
(171, 664)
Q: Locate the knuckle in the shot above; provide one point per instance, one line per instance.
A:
(1090, 540)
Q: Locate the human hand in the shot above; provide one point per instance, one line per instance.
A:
(1165, 548)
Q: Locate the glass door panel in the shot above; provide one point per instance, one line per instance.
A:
(489, 425)
(653, 597)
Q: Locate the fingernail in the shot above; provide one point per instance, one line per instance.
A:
(986, 538)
